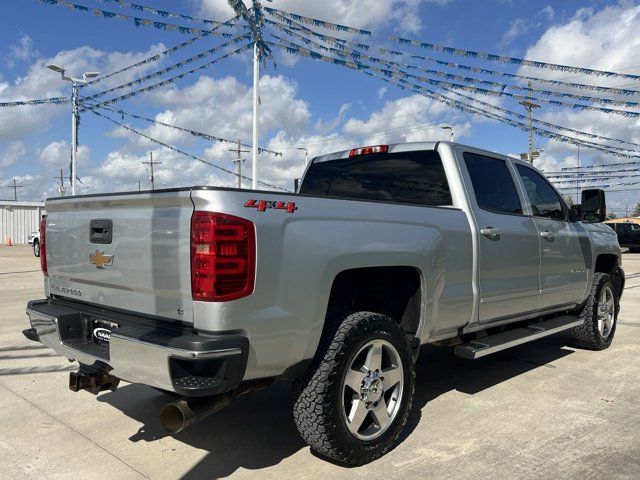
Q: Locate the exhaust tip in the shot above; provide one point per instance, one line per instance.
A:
(172, 418)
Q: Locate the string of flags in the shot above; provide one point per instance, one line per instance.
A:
(138, 22)
(155, 58)
(161, 13)
(182, 152)
(38, 101)
(512, 60)
(385, 74)
(495, 73)
(204, 136)
(175, 66)
(317, 23)
(171, 79)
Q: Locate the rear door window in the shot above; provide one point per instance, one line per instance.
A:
(492, 184)
(415, 177)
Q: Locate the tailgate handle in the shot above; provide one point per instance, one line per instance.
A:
(100, 231)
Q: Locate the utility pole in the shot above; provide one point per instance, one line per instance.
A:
(256, 101)
(139, 188)
(239, 161)
(578, 200)
(15, 190)
(74, 116)
(151, 163)
(61, 188)
(530, 107)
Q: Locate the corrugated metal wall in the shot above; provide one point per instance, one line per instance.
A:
(18, 220)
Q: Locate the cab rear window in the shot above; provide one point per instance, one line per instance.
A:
(415, 177)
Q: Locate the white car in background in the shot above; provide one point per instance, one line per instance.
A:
(34, 239)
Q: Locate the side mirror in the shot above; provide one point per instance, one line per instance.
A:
(575, 213)
(594, 208)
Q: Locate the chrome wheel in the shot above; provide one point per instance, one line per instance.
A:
(372, 389)
(606, 312)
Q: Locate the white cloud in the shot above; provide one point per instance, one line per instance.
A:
(517, 28)
(547, 12)
(401, 14)
(14, 151)
(22, 51)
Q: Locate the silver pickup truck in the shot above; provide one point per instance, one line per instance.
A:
(210, 293)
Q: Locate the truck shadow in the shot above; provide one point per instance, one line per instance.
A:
(257, 431)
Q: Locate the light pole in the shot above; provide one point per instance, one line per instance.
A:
(306, 155)
(74, 115)
(448, 127)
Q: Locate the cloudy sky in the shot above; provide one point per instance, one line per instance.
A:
(304, 103)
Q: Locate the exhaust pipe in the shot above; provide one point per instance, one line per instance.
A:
(181, 414)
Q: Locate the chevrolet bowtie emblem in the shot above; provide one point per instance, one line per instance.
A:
(100, 260)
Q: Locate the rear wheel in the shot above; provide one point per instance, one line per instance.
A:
(600, 315)
(354, 401)
(36, 248)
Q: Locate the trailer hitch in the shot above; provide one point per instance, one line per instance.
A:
(92, 380)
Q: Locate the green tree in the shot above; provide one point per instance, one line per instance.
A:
(611, 216)
(569, 200)
(636, 211)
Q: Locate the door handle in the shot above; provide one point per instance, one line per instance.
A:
(490, 232)
(546, 234)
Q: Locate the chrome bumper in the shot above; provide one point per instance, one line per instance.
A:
(138, 354)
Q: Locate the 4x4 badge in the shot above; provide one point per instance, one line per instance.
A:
(100, 260)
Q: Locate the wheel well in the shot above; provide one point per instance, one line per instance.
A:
(391, 291)
(608, 263)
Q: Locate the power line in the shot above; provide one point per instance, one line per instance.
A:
(175, 149)
(205, 136)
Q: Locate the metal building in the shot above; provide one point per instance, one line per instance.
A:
(19, 219)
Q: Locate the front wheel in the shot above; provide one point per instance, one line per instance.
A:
(36, 248)
(600, 315)
(354, 401)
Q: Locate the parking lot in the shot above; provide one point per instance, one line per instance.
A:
(542, 410)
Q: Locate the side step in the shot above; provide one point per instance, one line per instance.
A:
(510, 338)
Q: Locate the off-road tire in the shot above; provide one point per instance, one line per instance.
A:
(36, 248)
(317, 409)
(588, 335)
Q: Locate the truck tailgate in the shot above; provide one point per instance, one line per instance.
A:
(145, 264)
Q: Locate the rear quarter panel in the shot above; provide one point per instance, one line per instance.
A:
(299, 255)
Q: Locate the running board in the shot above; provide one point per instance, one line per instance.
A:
(510, 338)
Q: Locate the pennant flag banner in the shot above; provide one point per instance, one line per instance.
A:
(502, 86)
(512, 60)
(293, 25)
(591, 173)
(39, 101)
(175, 66)
(588, 167)
(614, 185)
(317, 23)
(162, 13)
(590, 179)
(138, 22)
(171, 79)
(177, 150)
(543, 123)
(495, 73)
(444, 99)
(204, 136)
(157, 57)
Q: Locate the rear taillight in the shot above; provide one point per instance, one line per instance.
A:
(43, 246)
(223, 257)
(369, 150)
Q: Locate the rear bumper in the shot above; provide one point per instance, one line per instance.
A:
(141, 350)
